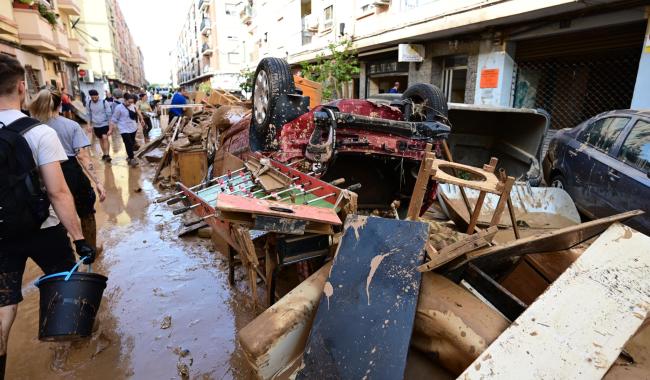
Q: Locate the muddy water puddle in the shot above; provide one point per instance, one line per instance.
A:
(167, 309)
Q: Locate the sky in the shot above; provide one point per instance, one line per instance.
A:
(155, 25)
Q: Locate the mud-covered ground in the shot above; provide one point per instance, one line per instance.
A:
(167, 306)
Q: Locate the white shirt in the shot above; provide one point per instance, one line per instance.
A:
(46, 148)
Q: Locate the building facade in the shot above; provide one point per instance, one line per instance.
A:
(573, 59)
(114, 60)
(209, 49)
(41, 37)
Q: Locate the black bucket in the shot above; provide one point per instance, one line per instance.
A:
(69, 304)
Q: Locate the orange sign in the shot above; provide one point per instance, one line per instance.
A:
(489, 78)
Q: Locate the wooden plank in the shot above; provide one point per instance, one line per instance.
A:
(557, 240)
(458, 249)
(365, 317)
(420, 187)
(234, 203)
(192, 166)
(577, 328)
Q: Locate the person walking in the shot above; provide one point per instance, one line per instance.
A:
(179, 98)
(66, 104)
(99, 116)
(34, 221)
(125, 119)
(144, 110)
(79, 167)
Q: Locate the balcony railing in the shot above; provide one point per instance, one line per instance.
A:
(206, 49)
(246, 15)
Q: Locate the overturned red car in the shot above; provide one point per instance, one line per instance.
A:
(376, 145)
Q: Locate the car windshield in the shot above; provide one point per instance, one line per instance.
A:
(636, 148)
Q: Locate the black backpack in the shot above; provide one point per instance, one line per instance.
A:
(24, 205)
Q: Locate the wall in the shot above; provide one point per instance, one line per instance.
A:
(641, 97)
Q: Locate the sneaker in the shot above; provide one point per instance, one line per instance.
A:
(108, 158)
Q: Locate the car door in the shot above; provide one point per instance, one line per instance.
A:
(629, 177)
(602, 140)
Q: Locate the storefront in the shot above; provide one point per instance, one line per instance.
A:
(382, 72)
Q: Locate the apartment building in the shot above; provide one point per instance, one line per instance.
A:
(114, 60)
(42, 39)
(571, 58)
(209, 49)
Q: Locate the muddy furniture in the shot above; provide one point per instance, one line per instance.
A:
(365, 316)
(238, 204)
(484, 180)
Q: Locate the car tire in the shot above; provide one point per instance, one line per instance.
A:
(558, 181)
(272, 80)
(424, 102)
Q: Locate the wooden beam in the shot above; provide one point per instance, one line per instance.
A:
(507, 303)
(578, 327)
(458, 249)
(556, 240)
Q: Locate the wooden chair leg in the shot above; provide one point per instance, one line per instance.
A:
(420, 187)
(503, 200)
(473, 220)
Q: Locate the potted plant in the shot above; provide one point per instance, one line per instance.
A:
(24, 4)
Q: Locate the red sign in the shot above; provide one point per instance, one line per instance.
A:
(489, 78)
(82, 73)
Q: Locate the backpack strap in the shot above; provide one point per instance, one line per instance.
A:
(23, 125)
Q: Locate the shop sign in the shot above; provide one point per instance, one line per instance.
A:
(410, 53)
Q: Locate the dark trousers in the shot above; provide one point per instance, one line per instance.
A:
(147, 126)
(129, 143)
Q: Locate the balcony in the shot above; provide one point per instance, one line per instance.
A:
(34, 31)
(206, 49)
(246, 15)
(205, 27)
(204, 5)
(77, 51)
(70, 7)
(8, 26)
(62, 42)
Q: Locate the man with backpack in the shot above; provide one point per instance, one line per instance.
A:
(99, 115)
(34, 222)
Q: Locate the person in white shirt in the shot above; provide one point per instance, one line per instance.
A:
(125, 119)
(99, 117)
(48, 246)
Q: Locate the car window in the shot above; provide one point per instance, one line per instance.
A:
(636, 148)
(602, 134)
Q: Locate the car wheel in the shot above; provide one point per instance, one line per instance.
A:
(424, 102)
(272, 80)
(558, 181)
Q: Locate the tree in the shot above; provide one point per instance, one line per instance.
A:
(334, 69)
(246, 80)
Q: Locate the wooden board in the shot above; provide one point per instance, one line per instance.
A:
(563, 238)
(577, 328)
(490, 184)
(192, 166)
(233, 203)
(365, 317)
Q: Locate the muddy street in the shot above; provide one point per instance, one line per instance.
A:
(167, 309)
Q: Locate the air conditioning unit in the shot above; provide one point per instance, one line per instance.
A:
(311, 23)
(381, 3)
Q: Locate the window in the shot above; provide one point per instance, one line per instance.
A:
(454, 78)
(602, 134)
(231, 9)
(636, 148)
(328, 17)
(234, 58)
(410, 4)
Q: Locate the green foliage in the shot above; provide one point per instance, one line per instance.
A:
(334, 69)
(246, 80)
(47, 13)
(205, 87)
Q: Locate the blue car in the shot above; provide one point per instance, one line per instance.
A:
(604, 164)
